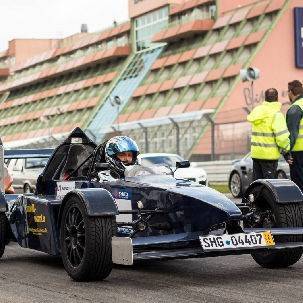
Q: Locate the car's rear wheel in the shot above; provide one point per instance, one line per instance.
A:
(85, 242)
(3, 233)
(235, 185)
(27, 188)
(279, 215)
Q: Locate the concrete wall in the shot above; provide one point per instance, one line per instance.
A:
(144, 6)
(275, 59)
(227, 5)
(217, 171)
(23, 49)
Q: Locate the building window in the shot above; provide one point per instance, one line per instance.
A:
(148, 25)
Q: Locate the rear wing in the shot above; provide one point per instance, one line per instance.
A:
(28, 153)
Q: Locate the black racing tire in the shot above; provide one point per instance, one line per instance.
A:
(235, 185)
(3, 233)
(284, 215)
(86, 247)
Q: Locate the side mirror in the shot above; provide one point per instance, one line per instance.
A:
(182, 164)
(101, 166)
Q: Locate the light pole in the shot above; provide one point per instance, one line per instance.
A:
(47, 120)
(212, 125)
(177, 127)
(145, 136)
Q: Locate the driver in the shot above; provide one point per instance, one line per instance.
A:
(120, 151)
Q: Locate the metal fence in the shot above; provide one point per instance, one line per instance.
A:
(227, 138)
(232, 133)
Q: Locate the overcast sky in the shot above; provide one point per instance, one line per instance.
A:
(56, 18)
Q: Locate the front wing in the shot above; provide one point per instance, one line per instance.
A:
(126, 250)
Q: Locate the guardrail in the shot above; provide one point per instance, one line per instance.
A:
(217, 171)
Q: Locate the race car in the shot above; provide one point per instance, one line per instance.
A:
(94, 221)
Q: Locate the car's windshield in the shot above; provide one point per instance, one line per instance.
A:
(141, 170)
(161, 160)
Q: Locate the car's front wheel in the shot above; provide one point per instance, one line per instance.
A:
(235, 185)
(279, 215)
(85, 242)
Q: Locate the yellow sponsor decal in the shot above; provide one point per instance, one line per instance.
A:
(31, 208)
(38, 231)
(39, 218)
(268, 238)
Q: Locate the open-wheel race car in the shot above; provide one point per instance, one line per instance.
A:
(93, 220)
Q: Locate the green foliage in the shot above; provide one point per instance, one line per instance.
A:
(221, 187)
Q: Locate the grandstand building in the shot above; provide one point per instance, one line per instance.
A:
(168, 77)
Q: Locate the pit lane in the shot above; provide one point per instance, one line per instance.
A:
(27, 276)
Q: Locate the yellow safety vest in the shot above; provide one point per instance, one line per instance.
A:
(299, 141)
(269, 131)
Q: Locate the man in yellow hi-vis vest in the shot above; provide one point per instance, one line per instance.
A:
(294, 120)
(270, 136)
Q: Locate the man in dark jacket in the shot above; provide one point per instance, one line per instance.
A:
(295, 126)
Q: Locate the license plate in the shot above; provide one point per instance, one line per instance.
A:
(236, 241)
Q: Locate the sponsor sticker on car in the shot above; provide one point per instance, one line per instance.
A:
(64, 187)
(237, 241)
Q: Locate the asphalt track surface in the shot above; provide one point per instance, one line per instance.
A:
(28, 276)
